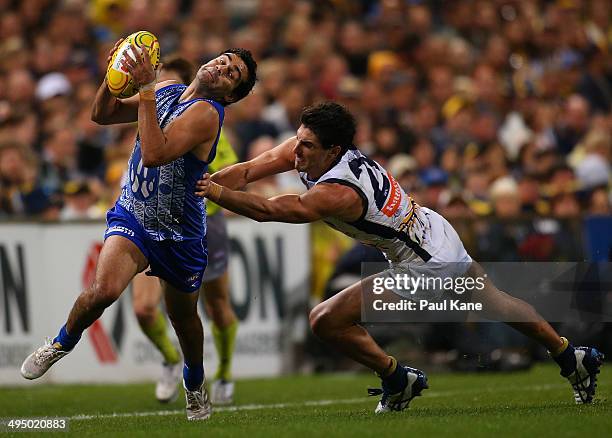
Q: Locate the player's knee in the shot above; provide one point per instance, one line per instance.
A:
(320, 320)
(105, 292)
(145, 314)
(217, 305)
(214, 312)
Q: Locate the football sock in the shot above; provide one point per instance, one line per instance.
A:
(565, 357)
(390, 369)
(193, 375)
(158, 335)
(66, 340)
(395, 379)
(224, 342)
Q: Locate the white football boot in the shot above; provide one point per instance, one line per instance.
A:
(37, 363)
(222, 392)
(416, 382)
(167, 387)
(584, 377)
(198, 403)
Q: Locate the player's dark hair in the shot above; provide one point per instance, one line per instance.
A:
(245, 87)
(332, 123)
(181, 66)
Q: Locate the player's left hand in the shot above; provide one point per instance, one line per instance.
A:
(138, 64)
(205, 188)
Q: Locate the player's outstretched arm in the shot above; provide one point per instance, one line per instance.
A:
(322, 201)
(277, 160)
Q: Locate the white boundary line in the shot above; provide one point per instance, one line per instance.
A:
(250, 407)
(309, 403)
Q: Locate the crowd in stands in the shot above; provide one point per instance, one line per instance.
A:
(479, 108)
(496, 113)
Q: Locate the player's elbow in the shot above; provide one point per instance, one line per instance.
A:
(95, 118)
(102, 114)
(98, 117)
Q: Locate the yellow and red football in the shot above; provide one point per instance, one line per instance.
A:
(119, 80)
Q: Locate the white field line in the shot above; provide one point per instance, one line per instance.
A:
(309, 403)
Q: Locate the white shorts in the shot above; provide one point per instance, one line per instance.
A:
(445, 242)
(449, 259)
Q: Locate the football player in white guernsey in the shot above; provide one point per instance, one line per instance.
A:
(358, 197)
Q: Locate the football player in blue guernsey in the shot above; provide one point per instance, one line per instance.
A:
(355, 195)
(158, 222)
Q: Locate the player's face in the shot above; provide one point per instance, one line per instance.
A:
(222, 75)
(310, 156)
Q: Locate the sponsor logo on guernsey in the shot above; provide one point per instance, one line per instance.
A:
(119, 229)
(395, 198)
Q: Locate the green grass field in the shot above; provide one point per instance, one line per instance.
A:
(536, 403)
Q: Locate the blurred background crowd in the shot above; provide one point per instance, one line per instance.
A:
(496, 113)
(478, 107)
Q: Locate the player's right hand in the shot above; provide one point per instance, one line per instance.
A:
(140, 68)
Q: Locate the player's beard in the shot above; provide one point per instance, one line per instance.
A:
(299, 164)
(202, 87)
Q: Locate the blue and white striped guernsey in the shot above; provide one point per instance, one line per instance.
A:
(162, 198)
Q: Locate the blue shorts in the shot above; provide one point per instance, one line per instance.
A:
(181, 264)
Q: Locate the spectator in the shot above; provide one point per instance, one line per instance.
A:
(80, 202)
(447, 85)
(21, 193)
